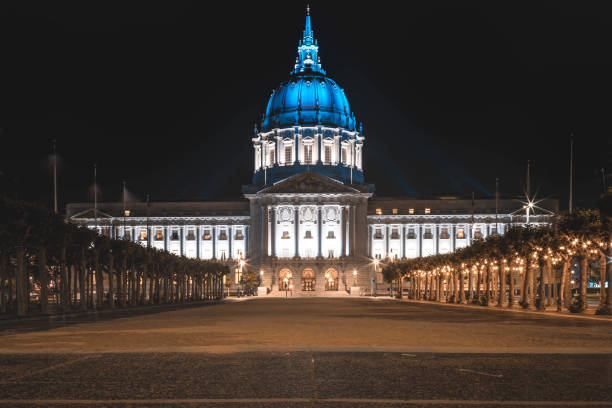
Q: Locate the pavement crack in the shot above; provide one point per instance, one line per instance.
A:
(314, 380)
(466, 370)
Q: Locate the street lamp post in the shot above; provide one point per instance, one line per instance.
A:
(286, 280)
(354, 278)
(375, 270)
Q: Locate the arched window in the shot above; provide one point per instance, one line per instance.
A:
(285, 280)
(288, 155)
(308, 280)
(331, 280)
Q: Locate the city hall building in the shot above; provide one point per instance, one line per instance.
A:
(308, 222)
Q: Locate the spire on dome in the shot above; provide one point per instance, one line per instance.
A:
(308, 50)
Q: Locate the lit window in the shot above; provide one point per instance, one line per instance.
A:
(328, 154)
(394, 211)
(411, 234)
(285, 235)
(477, 233)
(411, 211)
(378, 234)
(239, 235)
(174, 236)
(395, 233)
(206, 235)
(427, 234)
(428, 211)
(379, 211)
(444, 234)
(330, 235)
(461, 233)
(344, 154)
(143, 235)
(159, 234)
(222, 235)
(127, 235)
(191, 235)
(308, 154)
(308, 235)
(271, 162)
(288, 151)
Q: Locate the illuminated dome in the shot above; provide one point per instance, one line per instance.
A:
(308, 125)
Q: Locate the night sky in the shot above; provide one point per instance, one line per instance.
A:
(165, 95)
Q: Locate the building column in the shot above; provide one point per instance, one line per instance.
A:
(453, 237)
(273, 231)
(319, 143)
(419, 229)
(387, 230)
(295, 148)
(198, 231)
(267, 227)
(246, 241)
(369, 243)
(403, 232)
(343, 231)
(214, 241)
(166, 237)
(296, 220)
(352, 240)
(437, 232)
(230, 240)
(182, 237)
(320, 232)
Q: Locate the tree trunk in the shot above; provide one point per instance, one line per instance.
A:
(563, 284)
(488, 273)
(526, 298)
(82, 279)
(539, 286)
(44, 280)
(4, 278)
(501, 272)
(511, 289)
(602, 280)
(121, 281)
(584, 267)
(99, 280)
(111, 272)
(20, 282)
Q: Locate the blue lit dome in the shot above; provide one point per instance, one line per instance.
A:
(309, 97)
(308, 125)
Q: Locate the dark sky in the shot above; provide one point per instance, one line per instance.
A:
(165, 95)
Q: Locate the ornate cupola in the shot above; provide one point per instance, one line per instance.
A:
(308, 125)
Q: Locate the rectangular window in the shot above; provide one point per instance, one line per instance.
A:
(395, 233)
(143, 235)
(223, 235)
(428, 211)
(379, 211)
(378, 234)
(308, 154)
(394, 211)
(288, 151)
(330, 235)
(159, 234)
(328, 155)
(411, 234)
(460, 233)
(344, 155)
(206, 236)
(477, 234)
(174, 235)
(411, 211)
(427, 234)
(239, 235)
(308, 235)
(190, 235)
(444, 234)
(271, 161)
(285, 235)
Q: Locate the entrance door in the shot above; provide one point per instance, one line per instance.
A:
(308, 280)
(331, 280)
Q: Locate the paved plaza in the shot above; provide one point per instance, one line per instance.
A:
(355, 352)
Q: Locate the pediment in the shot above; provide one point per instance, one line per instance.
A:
(308, 183)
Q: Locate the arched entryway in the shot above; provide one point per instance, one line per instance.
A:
(331, 279)
(308, 280)
(285, 279)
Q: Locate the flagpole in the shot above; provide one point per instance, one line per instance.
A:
(496, 204)
(571, 180)
(54, 178)
(96, 195)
